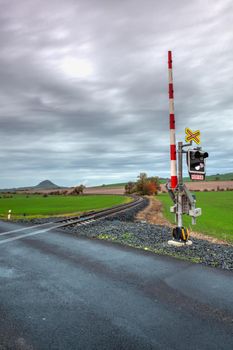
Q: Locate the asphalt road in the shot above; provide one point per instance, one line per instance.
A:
(62, 292)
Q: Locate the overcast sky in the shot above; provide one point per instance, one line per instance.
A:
(83, 87)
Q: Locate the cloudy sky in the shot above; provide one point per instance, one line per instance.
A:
(83, 87)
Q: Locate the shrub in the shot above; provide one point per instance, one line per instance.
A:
(55, 193)
(150, 188)
(130, 187)
(144, 185)
(64, 192)
(77, 190)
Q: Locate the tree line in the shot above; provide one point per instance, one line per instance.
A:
(144, 185)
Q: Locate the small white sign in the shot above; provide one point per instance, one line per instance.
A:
(199, 177)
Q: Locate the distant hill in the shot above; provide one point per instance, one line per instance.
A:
(121, 184)
(46, 185)
(220, 177)
(216, 177)
(43, 185)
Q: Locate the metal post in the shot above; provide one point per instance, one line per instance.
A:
(180, 165)
(180, 184)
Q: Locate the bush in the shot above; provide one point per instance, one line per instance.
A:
(150, 188)
(144, 185)
(55, 193)
(77, 190)
(130, 187)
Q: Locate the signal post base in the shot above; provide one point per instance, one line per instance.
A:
(176, 243)
(180, 237)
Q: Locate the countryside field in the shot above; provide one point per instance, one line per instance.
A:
(30, 206)
(217, 213)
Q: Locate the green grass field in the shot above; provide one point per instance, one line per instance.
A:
(39, 206)
(217, 214)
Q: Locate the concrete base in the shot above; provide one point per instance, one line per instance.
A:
(175, 243)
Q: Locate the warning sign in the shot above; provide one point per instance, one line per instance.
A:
(199, 177)
(193, 136)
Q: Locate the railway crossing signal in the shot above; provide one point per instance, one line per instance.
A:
(184, 201)
(196, 163)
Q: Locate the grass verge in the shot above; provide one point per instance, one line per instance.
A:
(217, 214)
(127, 239)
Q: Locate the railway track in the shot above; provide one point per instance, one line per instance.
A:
(15, 232)
(101, 214)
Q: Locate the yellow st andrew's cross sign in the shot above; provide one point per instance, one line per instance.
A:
(192, 136)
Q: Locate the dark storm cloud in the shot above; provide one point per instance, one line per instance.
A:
(83, 87)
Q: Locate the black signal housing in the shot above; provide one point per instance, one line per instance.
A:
(196, 163)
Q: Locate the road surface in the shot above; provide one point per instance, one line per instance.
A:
(62, 292)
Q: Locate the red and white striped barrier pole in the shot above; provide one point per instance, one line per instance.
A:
(172, 124)
(180, 234)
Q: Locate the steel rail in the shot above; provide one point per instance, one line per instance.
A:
(93, 216)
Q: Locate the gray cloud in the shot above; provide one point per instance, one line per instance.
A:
(83, 87)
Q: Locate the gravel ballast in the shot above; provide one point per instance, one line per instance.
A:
(123, 229)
